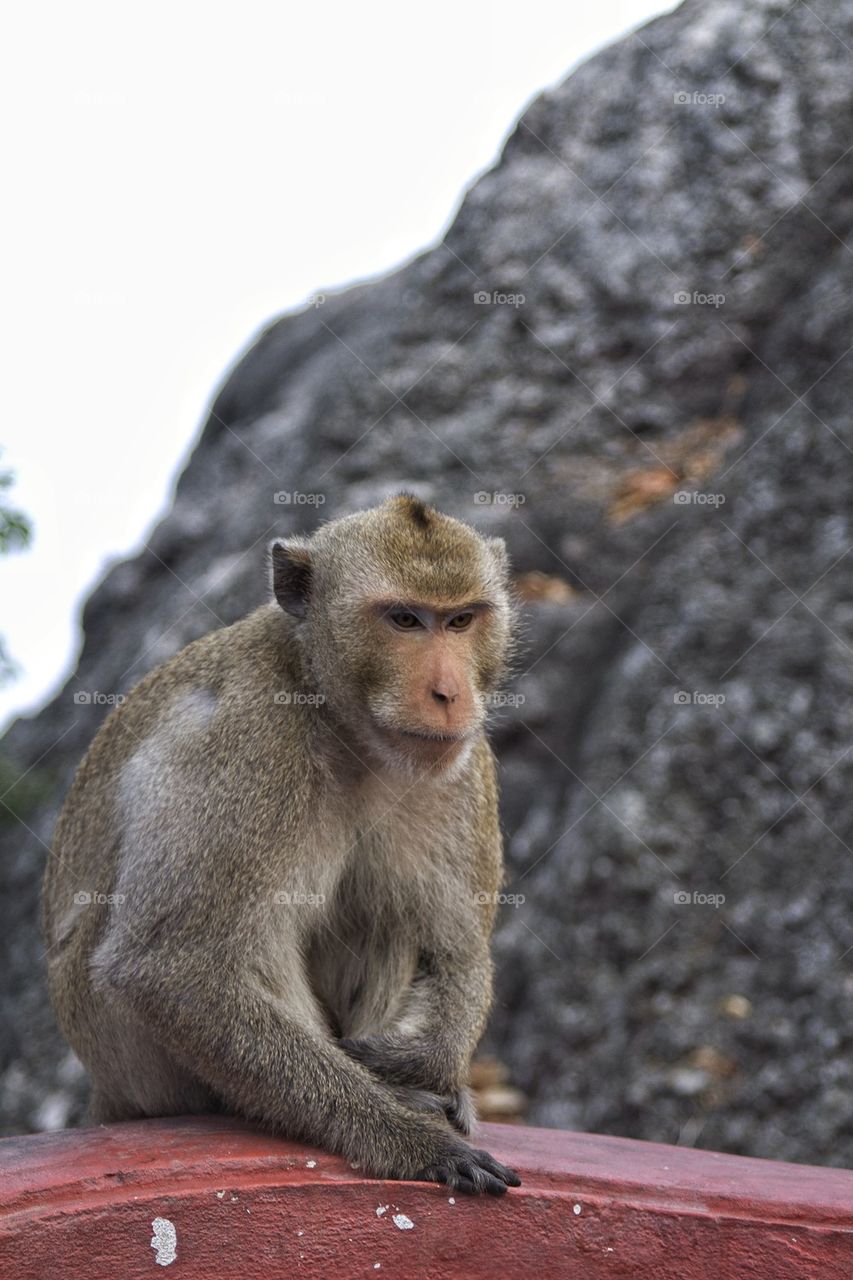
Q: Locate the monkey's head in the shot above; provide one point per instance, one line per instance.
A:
(404, 619)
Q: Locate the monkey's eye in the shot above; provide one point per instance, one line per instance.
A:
(405, 620)
(461, 621)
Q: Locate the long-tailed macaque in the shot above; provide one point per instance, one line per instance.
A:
(273, 882)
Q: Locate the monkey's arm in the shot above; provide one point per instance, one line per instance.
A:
(431, 1044)
(267, 1061)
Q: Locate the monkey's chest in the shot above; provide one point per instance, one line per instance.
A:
(360, 976)
(362, 953)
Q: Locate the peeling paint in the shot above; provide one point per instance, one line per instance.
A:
(402, 1222)
(311, 1164)
(164, 1241)
(383, 1208)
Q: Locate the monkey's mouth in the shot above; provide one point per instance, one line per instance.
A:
(432, 742)
(427, 735)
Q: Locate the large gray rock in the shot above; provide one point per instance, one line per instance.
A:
(706, 157)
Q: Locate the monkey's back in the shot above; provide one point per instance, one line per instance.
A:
(205, 709)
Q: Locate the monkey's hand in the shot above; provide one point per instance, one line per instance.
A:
(402, 1061)
(420, 1084)
(456, 1106)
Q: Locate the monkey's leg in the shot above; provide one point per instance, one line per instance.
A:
(259, 1056)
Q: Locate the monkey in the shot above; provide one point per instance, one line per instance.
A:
(272, 885)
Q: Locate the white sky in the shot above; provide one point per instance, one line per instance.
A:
(177, 174)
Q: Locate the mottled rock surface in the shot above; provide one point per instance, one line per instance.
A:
(657, 407)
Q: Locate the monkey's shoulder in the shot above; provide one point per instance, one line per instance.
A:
(214, 707)
(254, 654)
(249, 659)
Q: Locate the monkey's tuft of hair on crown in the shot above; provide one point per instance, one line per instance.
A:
(416, 510)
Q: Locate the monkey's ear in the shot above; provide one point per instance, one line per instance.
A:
(497, 546)
(291, 575)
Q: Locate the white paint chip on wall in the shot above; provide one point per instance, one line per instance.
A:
(164, 1241)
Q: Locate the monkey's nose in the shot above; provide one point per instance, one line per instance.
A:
(445, 696)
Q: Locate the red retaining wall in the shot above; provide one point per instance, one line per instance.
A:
(221, 1201)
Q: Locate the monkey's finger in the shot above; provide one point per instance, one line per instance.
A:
(483, 1178)
(419, 1100)
(491, 1185)
(460, 1111)
(493, 1166)
(457, 1121)
(470, 1167)
(358, 1049)
(465, 1177)
(465, 1185)
(372, 1052)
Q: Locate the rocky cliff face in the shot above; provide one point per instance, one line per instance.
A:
(631, 357)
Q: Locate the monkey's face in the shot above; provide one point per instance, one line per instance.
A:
(405, 623)
(426, 673)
